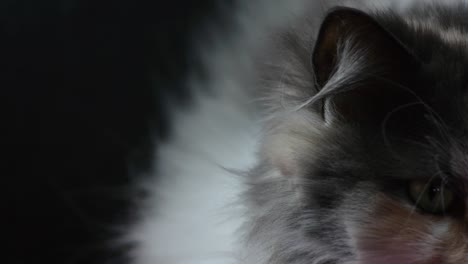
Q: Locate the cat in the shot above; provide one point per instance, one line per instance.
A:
(364, 156)
(361, 155)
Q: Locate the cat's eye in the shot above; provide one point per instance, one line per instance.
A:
(433, 197)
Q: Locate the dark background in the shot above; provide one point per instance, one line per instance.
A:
(81, 85)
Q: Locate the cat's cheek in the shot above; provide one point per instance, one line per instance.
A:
(398, 260)
(397, 254)
(392, 234)
(292, 142)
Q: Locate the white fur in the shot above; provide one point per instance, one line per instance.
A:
(193, 213)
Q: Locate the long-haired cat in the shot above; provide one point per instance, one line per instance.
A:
(363, 155)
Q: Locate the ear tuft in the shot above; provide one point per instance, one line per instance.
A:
(388, 65)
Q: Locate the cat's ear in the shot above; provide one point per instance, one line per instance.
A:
(353, 46)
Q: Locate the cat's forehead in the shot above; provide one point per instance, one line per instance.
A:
(440, 41)
(450, 30)
(437, 35)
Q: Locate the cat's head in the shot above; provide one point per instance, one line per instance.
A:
(365, 156)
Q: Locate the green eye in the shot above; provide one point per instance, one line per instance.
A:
(433, 197)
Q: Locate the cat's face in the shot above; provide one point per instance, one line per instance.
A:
(374, 167)
(390, 198)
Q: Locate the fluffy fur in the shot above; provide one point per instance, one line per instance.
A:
(329, 183)
(336, 158)
(193, 212)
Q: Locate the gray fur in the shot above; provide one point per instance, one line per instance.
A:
(318, 179)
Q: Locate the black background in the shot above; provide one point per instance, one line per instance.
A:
(81, 107)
